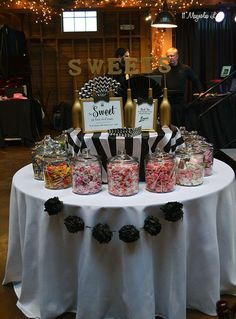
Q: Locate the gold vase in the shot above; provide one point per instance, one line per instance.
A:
(77, 111)
(129, 110)
(165, 110)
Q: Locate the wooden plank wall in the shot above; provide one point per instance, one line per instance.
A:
(50, 50)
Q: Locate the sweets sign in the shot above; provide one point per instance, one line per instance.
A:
(99, 116)
(113, 68)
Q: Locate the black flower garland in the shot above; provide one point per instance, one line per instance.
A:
(129, 233)
(152, 225)
(74, 224)
(102, 233)
(173, 211)
(53, 206)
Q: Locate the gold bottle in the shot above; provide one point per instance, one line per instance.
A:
(129, 110)
(77, 111)
(165, 110)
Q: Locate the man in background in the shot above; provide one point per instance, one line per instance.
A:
(177, 83)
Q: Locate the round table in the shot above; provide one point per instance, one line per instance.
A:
(188, 264)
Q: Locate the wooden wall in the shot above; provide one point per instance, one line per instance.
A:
(50, 50)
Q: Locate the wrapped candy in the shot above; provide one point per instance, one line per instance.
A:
(160, 172)
(40, 150)
(123, 175)
(208, 155)
(86, 174)
(57, 173)
(190, 167)
(57, 169)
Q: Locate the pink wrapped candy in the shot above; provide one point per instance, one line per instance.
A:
(160, 172)
(123, 175)
(86, 174)
(190, 167)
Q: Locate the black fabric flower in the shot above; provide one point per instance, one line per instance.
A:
(74, 224)
(152, 225)
(129, 233)
(102, 233)
(173, 211)
(53, 206)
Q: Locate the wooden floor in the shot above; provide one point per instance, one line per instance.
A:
(12, 158)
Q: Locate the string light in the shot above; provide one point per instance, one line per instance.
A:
(45, 9)
(158, 38)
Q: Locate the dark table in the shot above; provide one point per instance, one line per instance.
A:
(218, 125)
(18, 120)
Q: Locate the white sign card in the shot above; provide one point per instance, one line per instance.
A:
(102, 115)
(146, 115)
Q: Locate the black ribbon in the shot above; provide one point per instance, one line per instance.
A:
(98, 98)
(149, 100)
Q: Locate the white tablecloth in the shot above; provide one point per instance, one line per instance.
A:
(187, 265)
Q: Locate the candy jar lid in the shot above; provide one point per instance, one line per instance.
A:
(86, 157)
(187, 150)
(122, 157)
(159, 155)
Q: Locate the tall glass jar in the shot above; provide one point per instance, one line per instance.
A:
(57, 172)
(208, 155)
(37, 154)
(190, 167)
(123, 175)
(160, 172)
(86, 174)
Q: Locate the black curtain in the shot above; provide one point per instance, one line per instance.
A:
(206, 45)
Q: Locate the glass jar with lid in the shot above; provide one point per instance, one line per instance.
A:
(86, 173)
(189, 167)
(208, 155)
(160, 172)
(57, 170)
(123, 175)
(38, 153)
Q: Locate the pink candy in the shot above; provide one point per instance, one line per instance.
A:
(190, 176)
(208, 161)
(123, 178)
(86, 179)
(160, 176)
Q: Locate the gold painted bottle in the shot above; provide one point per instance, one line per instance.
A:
(165, 110)
(77, 111)
(129, 110)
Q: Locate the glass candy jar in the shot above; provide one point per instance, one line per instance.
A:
(57, 172)
(208, 155)
(160, 172)
(189, 167)
(123, 175)
(86, 174)
(37, 154)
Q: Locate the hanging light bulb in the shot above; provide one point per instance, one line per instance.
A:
(165, 19)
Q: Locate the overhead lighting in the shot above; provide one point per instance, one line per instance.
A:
(148, 17)
(235, 18)
(220, 16)
(165, 19)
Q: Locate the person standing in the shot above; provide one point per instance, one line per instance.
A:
(121, 53)
(176, 81)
